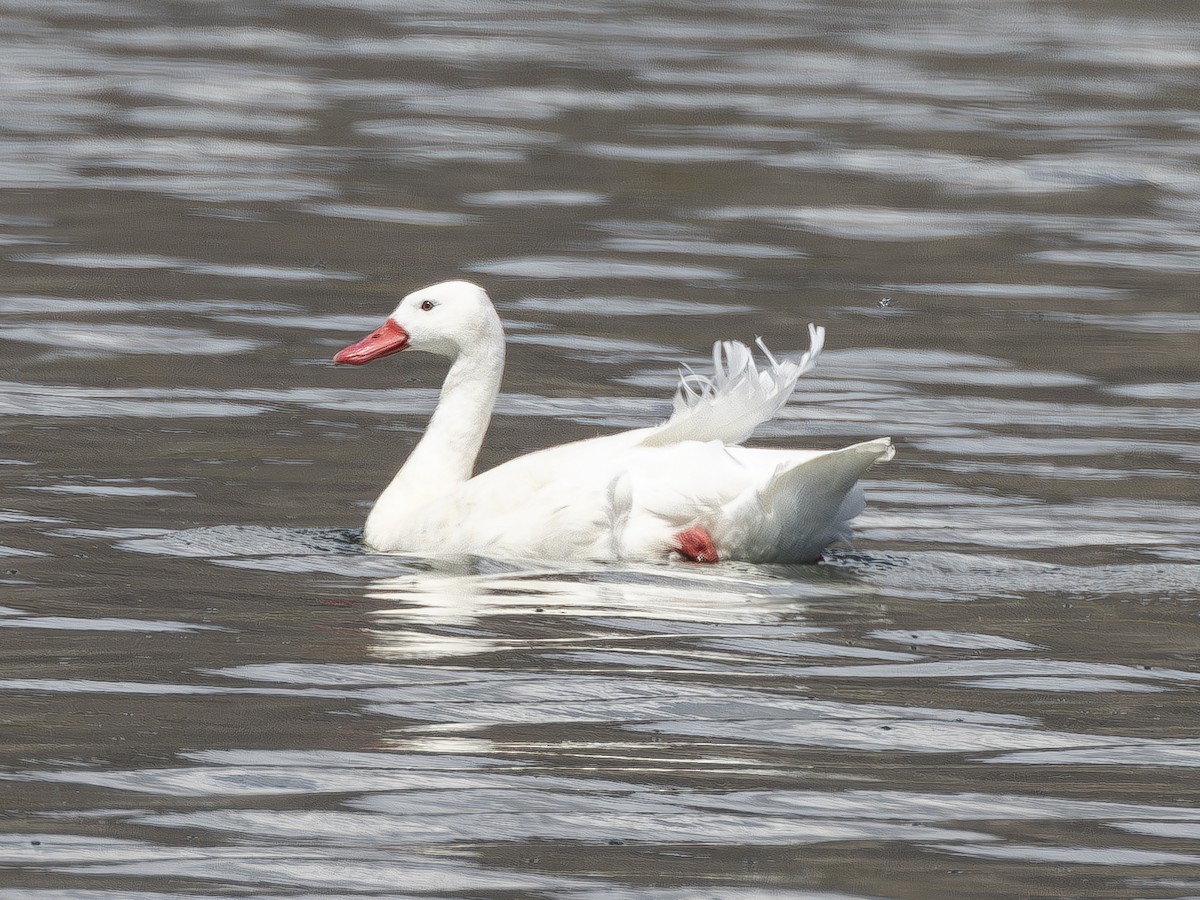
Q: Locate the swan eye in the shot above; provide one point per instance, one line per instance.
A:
(427, 305)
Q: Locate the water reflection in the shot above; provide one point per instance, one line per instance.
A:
(688, 706)
(662, 672)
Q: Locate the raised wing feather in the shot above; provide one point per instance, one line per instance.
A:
(738, 397)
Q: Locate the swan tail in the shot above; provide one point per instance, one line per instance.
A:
(738, 397)
(806, 507)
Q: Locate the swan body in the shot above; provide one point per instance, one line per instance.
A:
(683, 488)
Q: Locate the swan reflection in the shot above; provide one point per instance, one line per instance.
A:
(460, 609)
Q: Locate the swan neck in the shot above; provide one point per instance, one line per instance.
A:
(445, 456)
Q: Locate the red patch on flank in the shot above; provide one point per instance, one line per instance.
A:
(697, 545)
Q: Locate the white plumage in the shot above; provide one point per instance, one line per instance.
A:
(729, 404)
(649, 493)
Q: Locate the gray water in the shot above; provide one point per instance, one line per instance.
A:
(207, 689)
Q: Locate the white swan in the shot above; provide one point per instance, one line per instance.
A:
(682, 488)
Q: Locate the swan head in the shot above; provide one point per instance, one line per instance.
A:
(446, 319)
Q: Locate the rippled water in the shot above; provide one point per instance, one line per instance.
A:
(208, 689)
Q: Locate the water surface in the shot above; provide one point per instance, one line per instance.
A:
(209, 689)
